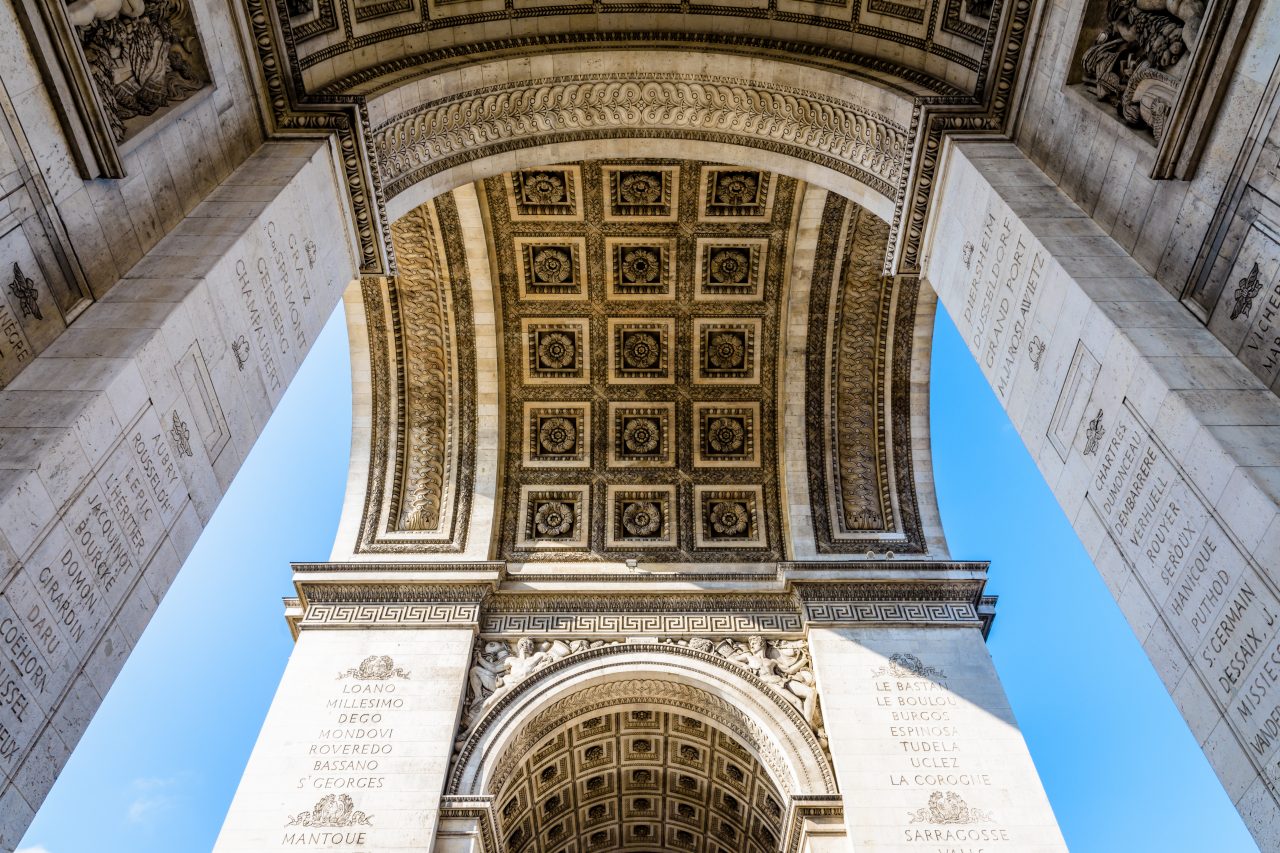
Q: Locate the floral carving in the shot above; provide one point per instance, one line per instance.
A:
(872, 146)
(375, 668)
(553, 519)
(640, 188)
(736, 188)
(948, 807)
(1246, 290)
(729, 266)
(641, 518)
(552, 266)
(24, 290)
(726, 435)
(641, 435)
(181, 435)
(143, 55)
(556, 350)
(240, 351)
(729, 518)
(907, 665)
(543, 188)
(558, 435)
(336, 810)
(640, 266)
(1035, 351)
(726, 350)
(640, 350)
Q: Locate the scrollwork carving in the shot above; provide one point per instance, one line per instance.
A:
(413, 144)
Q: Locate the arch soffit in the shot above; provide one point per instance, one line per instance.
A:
(850, 135)
(645, 674)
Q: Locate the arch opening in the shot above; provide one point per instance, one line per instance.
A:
(639, 778)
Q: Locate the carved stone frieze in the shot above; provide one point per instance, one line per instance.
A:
(783, 665)
(842, 134)
(498, 665)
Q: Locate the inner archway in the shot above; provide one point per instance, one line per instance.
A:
(639, 779)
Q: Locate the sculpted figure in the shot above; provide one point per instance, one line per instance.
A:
(1139, 58)
(784, 667)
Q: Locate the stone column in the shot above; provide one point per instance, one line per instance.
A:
(120, 438)
(355, 749)
(926, 749)
(1158, 443)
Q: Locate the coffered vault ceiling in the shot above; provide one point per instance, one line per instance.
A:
(643, 371)
(640, 780)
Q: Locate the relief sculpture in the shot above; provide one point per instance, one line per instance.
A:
(1140, 57)
(143, 56)
(499, 665)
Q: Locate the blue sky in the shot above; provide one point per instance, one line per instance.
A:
(157, 768)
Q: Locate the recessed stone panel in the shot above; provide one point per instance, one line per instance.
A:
(726, 435)
(728, 517)
(556, 351)
(643, 192)
(727, 194)
(553, 518)
(730, 270)
(726, 351)
(557, 435)
(640, 518)
(552, 192)
(637, 269)
(640, 435)
(640, 351)
(551, 268)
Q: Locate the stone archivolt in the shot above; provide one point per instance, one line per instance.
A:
(423, 359)
(862, 494)
(860, 142)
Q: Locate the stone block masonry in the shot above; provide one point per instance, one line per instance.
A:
(1159, 444)
(118, 441)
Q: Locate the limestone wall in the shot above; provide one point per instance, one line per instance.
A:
(1157, 442)
(118, 441)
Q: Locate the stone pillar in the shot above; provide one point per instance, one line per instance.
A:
(926, 749)
(368, 715)
(1158, 443)
(119, 439)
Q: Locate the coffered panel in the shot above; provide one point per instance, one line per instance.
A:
(641, 411)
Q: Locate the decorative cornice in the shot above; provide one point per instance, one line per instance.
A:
(396, 615)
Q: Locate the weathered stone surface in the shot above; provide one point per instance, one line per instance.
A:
(1150, 433)
(118, 441)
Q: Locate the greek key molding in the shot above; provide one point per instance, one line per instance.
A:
(645, 624)
(839, 134)
(332, 615)
(894, 612)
